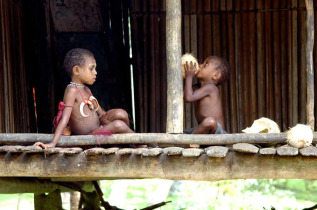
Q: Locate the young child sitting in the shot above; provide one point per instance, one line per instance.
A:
(80, 109)
(207, 104)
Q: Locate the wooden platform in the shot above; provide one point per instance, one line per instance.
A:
(233, 160)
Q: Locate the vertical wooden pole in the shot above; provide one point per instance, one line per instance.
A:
(293, 63)
(309, 67)
(51, 201)
(175, 111)
(74, 200)
(187, 47)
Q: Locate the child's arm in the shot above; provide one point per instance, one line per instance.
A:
(69, 100)
(100, 111)
(189, 94)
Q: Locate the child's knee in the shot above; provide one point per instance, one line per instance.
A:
(121, 114)
(119, 126)
(210, 123)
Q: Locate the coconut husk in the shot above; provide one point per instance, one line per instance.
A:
(188, 58)
(263, 125)
(300, 136)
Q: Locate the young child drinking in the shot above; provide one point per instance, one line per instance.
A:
(80, 110)
(207, 104)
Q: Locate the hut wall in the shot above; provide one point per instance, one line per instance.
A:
(264, 41)
(15, 109)
(148, 28)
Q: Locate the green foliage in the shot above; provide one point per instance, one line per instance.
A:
(16, 201)
(226, 194)
(106, 187)
(304, 190)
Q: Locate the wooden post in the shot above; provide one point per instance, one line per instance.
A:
(175, 111)
(51, 201)
(309, 67)
(74, 200)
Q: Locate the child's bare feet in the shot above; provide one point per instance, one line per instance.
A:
(138, 146)
(194, 145)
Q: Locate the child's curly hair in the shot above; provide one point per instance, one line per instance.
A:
(225, 69)
(75, 57)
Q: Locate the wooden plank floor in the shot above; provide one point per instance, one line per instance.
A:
(76, 164)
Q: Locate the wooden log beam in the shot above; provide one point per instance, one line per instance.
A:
(174, 123)
(309, 67)
(20, 184)
(11, 185)
(234, 166)
(146, 138)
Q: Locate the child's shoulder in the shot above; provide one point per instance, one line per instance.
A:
(70, 89)
(210, 87)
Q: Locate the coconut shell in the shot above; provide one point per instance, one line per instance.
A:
(188, 58)
(300, 136)
(263, 125)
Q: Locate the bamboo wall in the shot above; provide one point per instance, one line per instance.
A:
(14, 107)
(264, 41)
(148, 25)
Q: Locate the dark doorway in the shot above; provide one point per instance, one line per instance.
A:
(53, 27)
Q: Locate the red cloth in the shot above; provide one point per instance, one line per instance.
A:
(101, 132)
(57, 119)
(104, 133)
(61, 107)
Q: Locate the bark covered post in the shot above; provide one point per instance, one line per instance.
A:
(175, 111)
(51, 201)
(309, 67)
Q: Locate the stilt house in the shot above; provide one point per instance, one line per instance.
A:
(138, 46)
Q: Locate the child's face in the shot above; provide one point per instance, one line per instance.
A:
(87, 72)
(208, 69)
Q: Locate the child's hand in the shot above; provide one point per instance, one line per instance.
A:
(44, 146)
(190, 69)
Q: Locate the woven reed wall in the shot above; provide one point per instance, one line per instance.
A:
(264, 41)
(14, 107)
